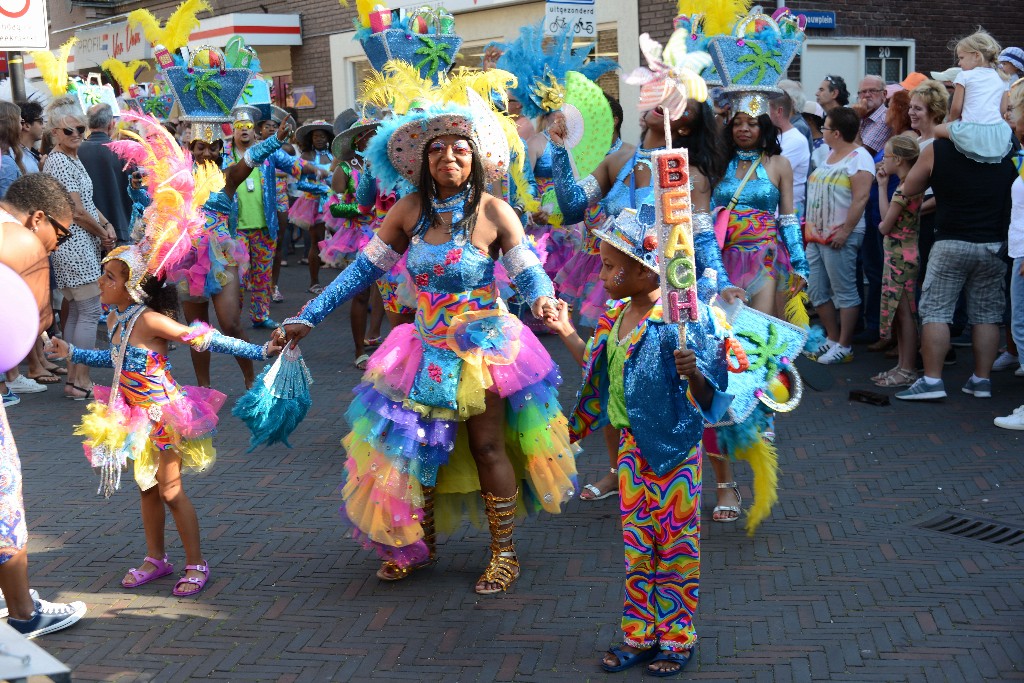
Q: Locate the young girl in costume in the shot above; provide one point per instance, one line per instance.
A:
(900, 224)
(976, 120)
(658, 396)
(308, 210)
(146, 416)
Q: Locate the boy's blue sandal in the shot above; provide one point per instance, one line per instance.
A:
(627, 658)
(681, 657)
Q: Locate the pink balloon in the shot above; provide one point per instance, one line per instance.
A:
(19, 318)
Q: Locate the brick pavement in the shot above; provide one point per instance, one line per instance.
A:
(837, 585)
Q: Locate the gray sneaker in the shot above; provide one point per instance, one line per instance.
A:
(923, 390)
(981, 388)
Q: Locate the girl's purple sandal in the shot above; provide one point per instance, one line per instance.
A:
(161, 568)
(184, 581)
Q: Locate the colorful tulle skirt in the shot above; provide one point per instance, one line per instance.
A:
(150, 415)
(350, 236)
(306, 212)
(753, 254)
(408, 423)
(208, 266)
(578, 281)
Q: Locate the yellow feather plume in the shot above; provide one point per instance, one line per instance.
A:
(764, 464)
(174, 32)
(54, 68)
(719, 15)
(363, 9)
(796, 310)
(123, 73)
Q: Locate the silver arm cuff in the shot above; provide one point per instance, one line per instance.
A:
(788, 219)
(702, 222)
(381, 254)
(298, 321)
(517, 259)
(591, 189)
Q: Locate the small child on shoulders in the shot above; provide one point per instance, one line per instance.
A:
(976, 125)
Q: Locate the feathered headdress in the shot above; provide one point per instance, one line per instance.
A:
(460, 104)
(123, 73)
(54, 68)
(178, 190)
(540, 71)
(172, 34)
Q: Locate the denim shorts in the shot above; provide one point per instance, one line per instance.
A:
(834, 273)
(977, 269)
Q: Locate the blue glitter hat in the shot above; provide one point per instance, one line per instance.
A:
(633, 233)
(207, 94)
(753, 60)
(541, 71)
(432, 53)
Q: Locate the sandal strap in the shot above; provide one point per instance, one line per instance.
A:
(204, 568)
(728, 485)
(503, 569)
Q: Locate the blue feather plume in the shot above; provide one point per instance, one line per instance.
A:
(278, 400)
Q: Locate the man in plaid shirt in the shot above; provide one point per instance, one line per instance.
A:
(874, 132)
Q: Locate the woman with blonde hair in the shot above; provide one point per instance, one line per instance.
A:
(929, 104)
(76, 263)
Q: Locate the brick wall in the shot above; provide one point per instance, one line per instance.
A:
(932, 23)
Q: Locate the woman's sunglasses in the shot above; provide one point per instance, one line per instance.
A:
(71, 131)
(62, 231)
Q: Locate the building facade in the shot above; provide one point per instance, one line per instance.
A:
(308, 48)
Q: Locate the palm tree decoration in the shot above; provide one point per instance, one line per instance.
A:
(759, 58)
(435, 53)
(762, 350)
(203, 83)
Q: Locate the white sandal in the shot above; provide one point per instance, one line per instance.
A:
(597, 493)
(736, 509)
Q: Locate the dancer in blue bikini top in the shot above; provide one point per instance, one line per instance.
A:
(464, 363)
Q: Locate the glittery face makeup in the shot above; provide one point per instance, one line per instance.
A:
(619, 277)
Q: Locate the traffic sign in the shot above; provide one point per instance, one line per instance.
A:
(575, 16)
(23, 25)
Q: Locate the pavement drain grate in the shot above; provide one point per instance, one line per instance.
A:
(977, 528)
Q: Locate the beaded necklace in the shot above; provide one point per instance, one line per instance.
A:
(745, 155)
(455, 205)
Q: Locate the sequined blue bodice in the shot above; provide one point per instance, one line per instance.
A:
(135, 359)
(622, 196)
(544, 167)
(451, 267)
(759, 192)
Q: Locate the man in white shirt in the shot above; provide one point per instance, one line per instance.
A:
(794, 146)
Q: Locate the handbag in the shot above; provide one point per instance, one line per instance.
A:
(722, 217)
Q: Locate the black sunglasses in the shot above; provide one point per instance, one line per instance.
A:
(62, 231)
(71, 131)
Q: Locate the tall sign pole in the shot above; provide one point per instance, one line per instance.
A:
(16, 72)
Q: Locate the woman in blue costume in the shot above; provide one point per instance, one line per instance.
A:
(541, 66)
(213, 269)
(463, 402)
(625, 179)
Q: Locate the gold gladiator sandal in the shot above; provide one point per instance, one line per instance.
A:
(392, 571)
(504, 567)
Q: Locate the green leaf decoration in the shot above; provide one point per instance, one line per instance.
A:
(203, 83)
(763, 352)
(760, 59)
(434, 53)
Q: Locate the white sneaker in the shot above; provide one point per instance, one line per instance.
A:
(1019, 372)
(23, 385)
(1006, 361)
(825, 347)
(837, 354)
(1014, 420)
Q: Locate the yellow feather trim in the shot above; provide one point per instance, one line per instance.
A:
(719, 15)
(764, 464)
(54, 68)
(174, 32)
(123, 73)
(796, 310)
